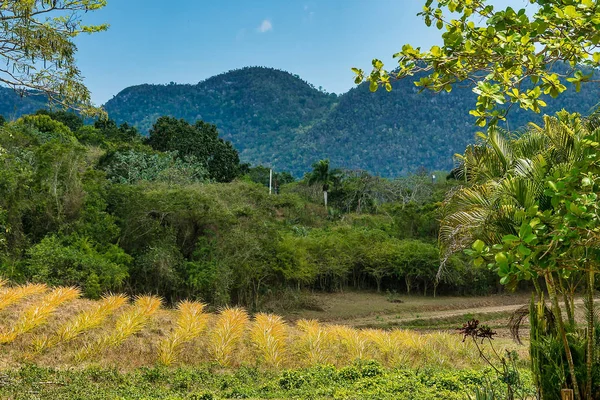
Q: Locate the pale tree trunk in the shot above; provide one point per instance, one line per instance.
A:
(590, 332)
(325, 198)
(561, 328)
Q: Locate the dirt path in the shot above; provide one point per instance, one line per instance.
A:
(377, 310)
(434, 315)
(499, 314)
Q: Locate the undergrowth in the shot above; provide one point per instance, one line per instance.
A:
(361, 380)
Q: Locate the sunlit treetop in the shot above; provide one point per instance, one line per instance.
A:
(37, 50)
(508, 56)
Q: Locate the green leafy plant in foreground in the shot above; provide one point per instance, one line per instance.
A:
(361, 380)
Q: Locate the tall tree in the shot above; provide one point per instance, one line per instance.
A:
(324, 176)
(200, 140)
(37, 50)
(507, 55)
(530, 204)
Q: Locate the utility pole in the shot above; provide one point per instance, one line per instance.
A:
(270, 180)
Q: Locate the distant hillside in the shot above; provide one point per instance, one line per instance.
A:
(13, 105)
(274, 117)
(261, 110)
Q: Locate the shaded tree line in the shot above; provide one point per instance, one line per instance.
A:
(176, 214)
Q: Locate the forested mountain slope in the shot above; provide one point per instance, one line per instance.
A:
(13, 105)
(260, 110)
(274, 118)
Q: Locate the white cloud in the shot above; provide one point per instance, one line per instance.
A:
(265, 26)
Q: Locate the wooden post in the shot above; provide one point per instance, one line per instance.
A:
(567, 394)
(270, 180)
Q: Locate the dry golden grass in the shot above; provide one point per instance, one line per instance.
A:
(313, 342)
(354, 343)
(129, 323)
(227, 334)
(82, 322)
(12, 295)
(145, 334)
(268, 335)
(191, 322)
(38, 313)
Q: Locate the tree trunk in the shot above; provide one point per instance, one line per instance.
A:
(590, 333)
(538, 289)
(408, 284)
(568, 302)
(325, 198)
(561, 328)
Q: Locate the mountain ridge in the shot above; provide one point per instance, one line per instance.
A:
(275, 118)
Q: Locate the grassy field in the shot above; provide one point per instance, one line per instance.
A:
(57, 345)
(387, 311)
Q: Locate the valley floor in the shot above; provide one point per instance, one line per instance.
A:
(385, 311)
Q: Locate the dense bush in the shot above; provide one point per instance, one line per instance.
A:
(100, 209)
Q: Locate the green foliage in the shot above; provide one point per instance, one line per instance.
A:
(363, 380)
(503, 53)
(73, 260)
(200, 141)
(39, 51)
(48, 127)
(122, 133)
(275, 119)
(133, 166)
(529, 209)
(68, 118)
(101, 210)
(260, 174)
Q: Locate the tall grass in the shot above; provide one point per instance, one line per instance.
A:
(12, 295)
(227, 334)
(268, 335)
(389, 346)
(231, 339)
(191, 322)
(82, 322)
(37, 314)
(353, 343)
(313, 342)
(129, 323)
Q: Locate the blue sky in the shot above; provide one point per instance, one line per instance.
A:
(187, 41)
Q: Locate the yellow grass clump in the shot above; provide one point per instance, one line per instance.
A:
(129, 323)
(268, 335)
(12, 295)
(38, 313)
(353, 343)
(191, 322)
(389, 346)
(82, 322)
(314, 342)
(226, 335)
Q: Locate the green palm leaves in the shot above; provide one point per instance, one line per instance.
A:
(505, 175)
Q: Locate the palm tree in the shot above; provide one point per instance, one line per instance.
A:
(323, 175)
(505, 175)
